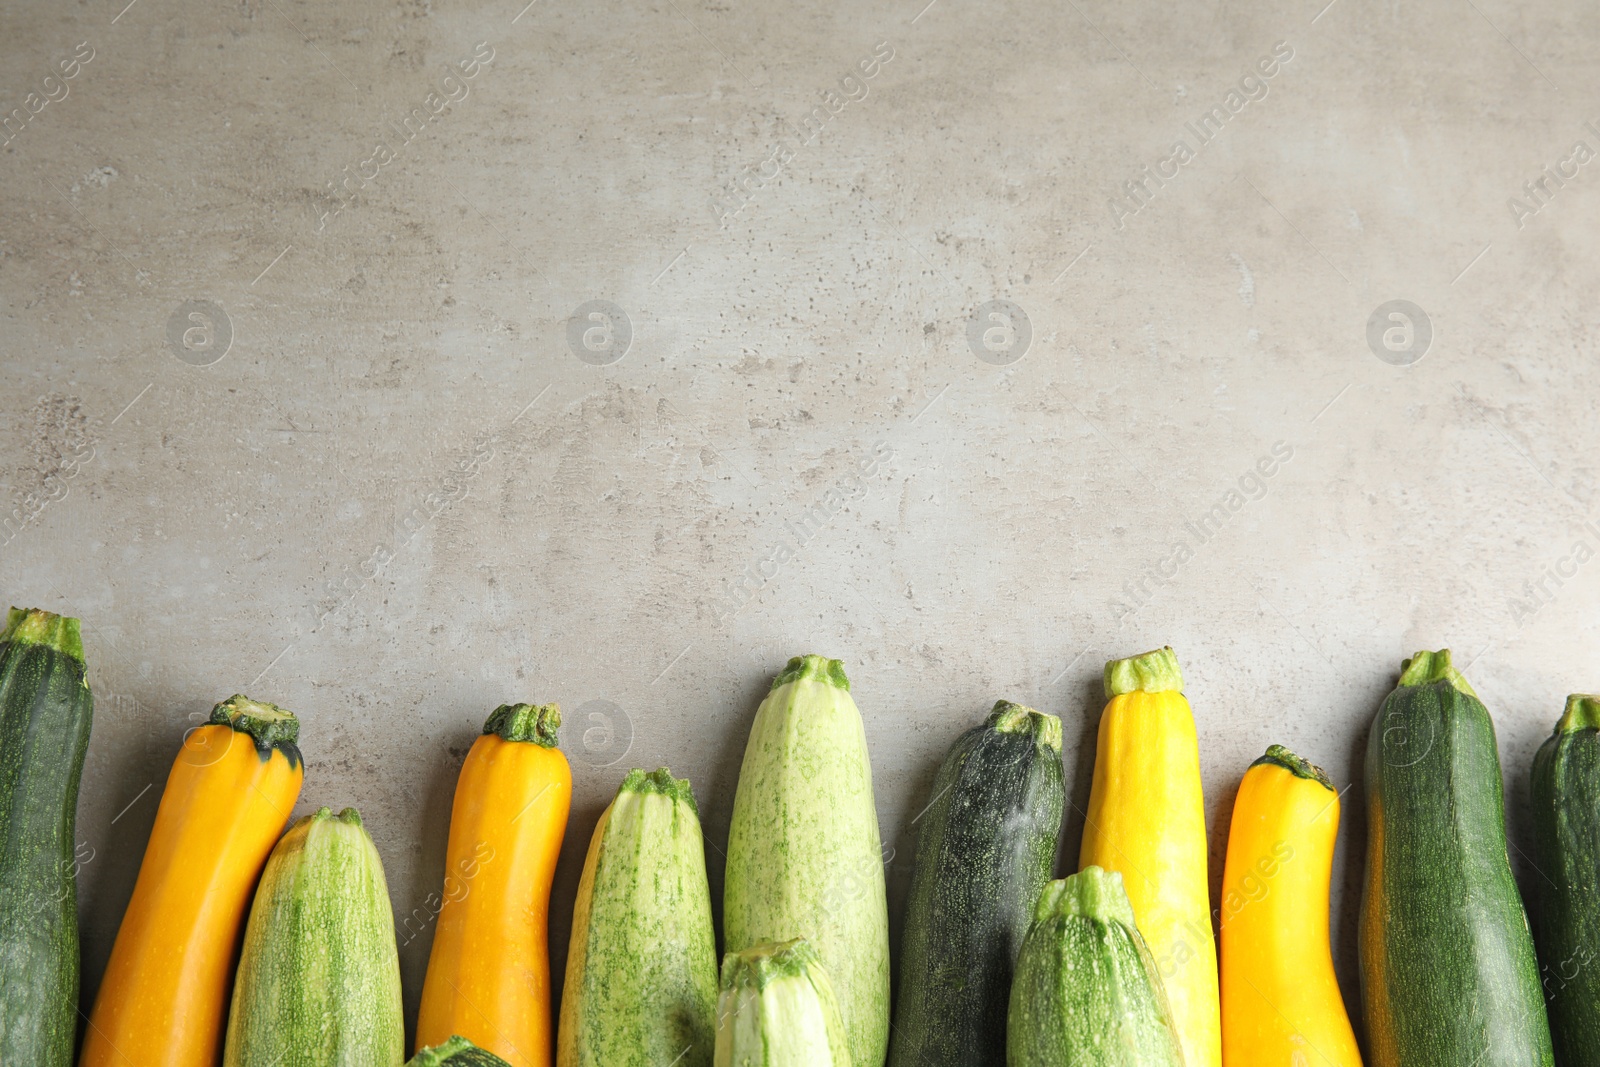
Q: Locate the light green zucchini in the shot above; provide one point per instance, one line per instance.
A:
(777, 1009)
(319, 977)
(641, 985)
(804, 855)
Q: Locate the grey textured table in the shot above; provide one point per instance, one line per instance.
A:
(391, 361)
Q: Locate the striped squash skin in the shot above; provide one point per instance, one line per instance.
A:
(641, 982)
(777, 1009)
(1448, 973)
(45, 714)
(1086, 992)
(804, 855)
(319, 978)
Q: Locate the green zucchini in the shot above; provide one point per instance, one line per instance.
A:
(456, 1052)
(778, 1009)
(319, 977)
(1087, 992)
(1566, 851)
(985, 851)
(46, 710)
(1448, 977)
(641, 985)
(804, 856)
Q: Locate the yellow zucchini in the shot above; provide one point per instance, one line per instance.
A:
(1147, 821)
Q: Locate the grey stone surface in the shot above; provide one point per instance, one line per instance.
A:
(390, 484)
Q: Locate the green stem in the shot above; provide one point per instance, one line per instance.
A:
(761, 965)
(1093, 892)
(1009, 718)
(1155, 671)
(1425, 668)
(817, 668)
(1583, 713)
(1299, 766)
(267, 724)
(536, 723)
(34, 626)
(660, 781)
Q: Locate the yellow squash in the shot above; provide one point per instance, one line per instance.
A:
(1280, 1000)
(489, 971)
(164, 999)
(1147, 821)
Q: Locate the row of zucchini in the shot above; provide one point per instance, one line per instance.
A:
(1114, 965)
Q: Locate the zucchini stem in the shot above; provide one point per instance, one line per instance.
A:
(1155, 671)
(535, 723)
(1425, 668)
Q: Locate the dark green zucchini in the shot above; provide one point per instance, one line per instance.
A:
(985, 851)
(1566, 850)
(1448, 977)
(45, 713)
(456, 1052)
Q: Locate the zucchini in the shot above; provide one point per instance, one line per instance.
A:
(804, 856)
(641, 986)
(985, 851)
(1566, 840)
(1147, 821)
(777, 1009)
(1086, 992)
(489, 970)
(45, 713)
(1280, 995)
(319, 978)
(1448, 977)
(163, 1000)
(456, 1051)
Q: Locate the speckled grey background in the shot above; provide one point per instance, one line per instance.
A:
(288, 414)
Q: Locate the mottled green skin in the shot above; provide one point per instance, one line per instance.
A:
(777, 1009)
(641, 984)
(1566, 849)
(319, 978)
(804, 856)
(46, 711)
(455, 1052)
(985, 850)
(1086, 992)
(1448, 977)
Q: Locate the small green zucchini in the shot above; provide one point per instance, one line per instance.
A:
(1086, 992)
(777, 1009)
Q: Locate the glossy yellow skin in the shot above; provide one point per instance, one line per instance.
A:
(1281, 1005)
(1147, 821)
(164, 999)
(489, 970)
